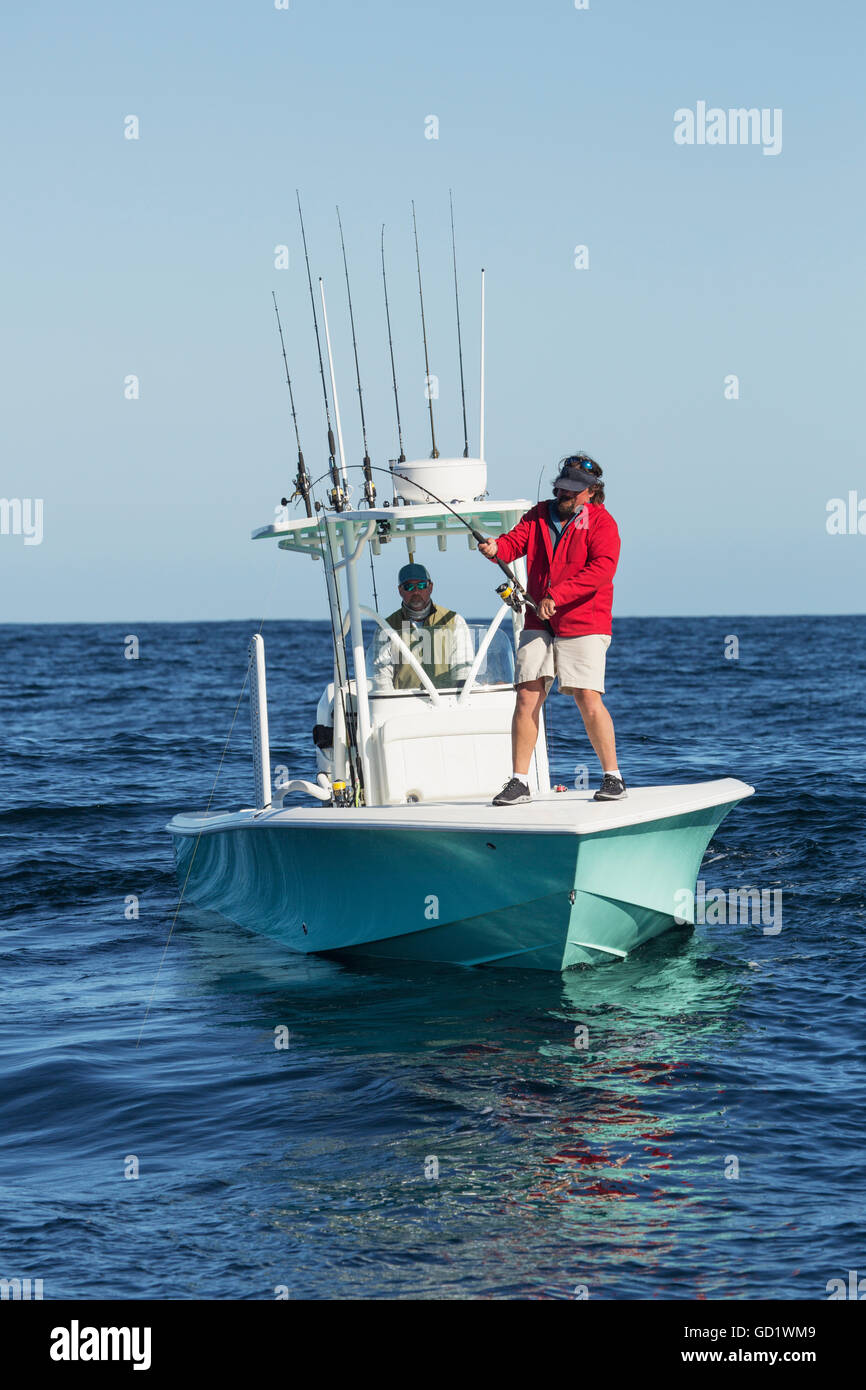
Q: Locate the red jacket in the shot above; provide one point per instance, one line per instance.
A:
(578, 576)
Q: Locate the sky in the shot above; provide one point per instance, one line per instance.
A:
(155, 258)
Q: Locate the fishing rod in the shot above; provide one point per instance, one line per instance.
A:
(402, 458)
(514, 586)
(302, 481)
(336, 496)
(435, 453)
(361, 692)
(330, 353)
(481, 380)
(341, 676)
(513, 593)
(339, 501)
(341, 679)
(369, 485)
(459, 341)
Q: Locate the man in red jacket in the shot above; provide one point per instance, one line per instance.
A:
(572, 547)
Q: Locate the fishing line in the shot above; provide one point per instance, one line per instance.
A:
(524, 595)
(350, 743)
(192, 858)
(373, 578)
(201, 832)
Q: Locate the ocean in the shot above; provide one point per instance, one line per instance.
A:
(428, 1132)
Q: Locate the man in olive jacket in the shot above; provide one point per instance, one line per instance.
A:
(437, 637)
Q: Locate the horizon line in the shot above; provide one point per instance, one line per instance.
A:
(628, 617)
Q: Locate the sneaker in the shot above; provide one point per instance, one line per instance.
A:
(611, 789)
(512, 793)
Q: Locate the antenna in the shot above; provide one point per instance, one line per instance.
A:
(402, 458)
(336, 496)
(369, 485)
(435, 453)
(302, 481)
(481, 400)
(459, 340)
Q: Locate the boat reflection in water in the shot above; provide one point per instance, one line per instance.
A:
(556, 1165)
(638, 1164)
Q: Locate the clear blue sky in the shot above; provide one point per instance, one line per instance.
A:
(155, 257)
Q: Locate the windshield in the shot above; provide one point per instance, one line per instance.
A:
(497, 663)
(446, 652)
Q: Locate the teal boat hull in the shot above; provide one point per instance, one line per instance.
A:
(498, 895)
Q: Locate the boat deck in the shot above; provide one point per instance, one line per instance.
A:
(571, 812)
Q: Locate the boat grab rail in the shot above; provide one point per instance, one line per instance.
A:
(321, 790)
(409, 655)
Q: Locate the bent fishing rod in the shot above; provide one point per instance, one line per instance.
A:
(513, 593)
(516, 594)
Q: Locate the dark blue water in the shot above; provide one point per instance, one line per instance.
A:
(710, 1051)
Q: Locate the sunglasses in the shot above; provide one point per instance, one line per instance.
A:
(421, 584)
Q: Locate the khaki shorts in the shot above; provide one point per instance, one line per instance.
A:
(577, 661)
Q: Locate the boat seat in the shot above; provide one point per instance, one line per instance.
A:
(434, 754)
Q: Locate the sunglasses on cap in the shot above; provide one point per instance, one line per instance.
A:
(421, 584)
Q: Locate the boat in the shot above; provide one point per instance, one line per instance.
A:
(390, 847)
(426, 868)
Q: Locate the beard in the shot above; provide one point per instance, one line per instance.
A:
(418, 614)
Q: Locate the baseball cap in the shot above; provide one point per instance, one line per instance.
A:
(410, 573)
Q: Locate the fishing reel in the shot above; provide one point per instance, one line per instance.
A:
(342, 794)
(509, 594)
